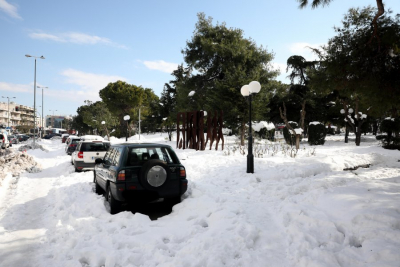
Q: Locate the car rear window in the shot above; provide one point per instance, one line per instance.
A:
(138, 156)
(87, 147)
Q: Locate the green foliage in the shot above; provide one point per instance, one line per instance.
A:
(357, 66)
(390, 125)
(223, 61)
(265, 134)
(316, 134)
(95, 113)
(123, 99)
(287, 134)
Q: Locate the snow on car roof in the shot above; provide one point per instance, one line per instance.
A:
(92, 138)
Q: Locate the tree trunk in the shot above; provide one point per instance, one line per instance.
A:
(375, 128)
(346, 136)
(242, 131)
(358, 138)
(297, 141)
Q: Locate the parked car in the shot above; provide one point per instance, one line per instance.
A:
(64, 137)
(69, 139)
(4, 141)
(51, 135)
(72, 144)
(22, 137)
(139, 173)
(13, 139)
(88, 149)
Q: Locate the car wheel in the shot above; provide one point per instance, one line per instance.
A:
(76, 169)
(154, 174)
(97, 189)
(115, 205)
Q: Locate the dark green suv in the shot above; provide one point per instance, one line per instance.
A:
(139, 173)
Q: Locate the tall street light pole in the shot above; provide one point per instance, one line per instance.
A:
(250, 90)
(43, 87)
(8, 108)
(34, 98)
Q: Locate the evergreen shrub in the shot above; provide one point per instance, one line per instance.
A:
(316, 134)
(265, 134)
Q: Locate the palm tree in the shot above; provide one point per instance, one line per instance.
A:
(379, 4)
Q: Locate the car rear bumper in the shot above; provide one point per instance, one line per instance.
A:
(82, 166)
(134, 191)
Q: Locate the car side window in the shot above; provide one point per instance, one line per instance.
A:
(117, 156)
(109, 156)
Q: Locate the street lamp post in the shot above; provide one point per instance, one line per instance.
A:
(43, 87)
(8, 108)
(127, 118)
(34, 97)
(248, 90)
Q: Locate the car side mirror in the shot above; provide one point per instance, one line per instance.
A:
(98, 161)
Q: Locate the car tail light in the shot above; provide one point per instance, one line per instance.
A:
(121, 176)
(182, 172)
(72, 145)
(80, 155)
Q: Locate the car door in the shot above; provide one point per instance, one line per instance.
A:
(102, 169)
(112, 171)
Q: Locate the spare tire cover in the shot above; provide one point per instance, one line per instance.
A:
(156, 176)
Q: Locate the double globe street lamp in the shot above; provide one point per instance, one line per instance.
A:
(248, 91)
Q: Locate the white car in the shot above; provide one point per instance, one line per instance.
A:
(89, 149)
(4, 141)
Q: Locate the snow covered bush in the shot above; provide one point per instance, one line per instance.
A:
(265, 130)
(289, 138)
(390, 125)
(316, 133)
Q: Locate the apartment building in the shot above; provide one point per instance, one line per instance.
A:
(13, 115)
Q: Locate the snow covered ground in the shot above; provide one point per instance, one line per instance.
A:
(303, 211)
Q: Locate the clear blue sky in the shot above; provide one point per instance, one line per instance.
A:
(89, 43)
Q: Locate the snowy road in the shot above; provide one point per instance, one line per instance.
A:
(305, 211)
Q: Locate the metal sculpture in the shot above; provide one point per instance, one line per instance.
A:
(190, 130)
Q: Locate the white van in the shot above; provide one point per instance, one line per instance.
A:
(5, 143)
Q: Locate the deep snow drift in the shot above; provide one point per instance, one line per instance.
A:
(303, 211)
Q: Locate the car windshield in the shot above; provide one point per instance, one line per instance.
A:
(139, 155)
(87, 147)
(75, 141)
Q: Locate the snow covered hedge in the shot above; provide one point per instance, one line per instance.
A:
(265, 130)
(316, 133)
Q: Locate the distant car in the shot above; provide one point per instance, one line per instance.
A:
(51, 135)
(64, 137)
(72, 144)
(139, 173)
(4, 141)
(13, 139)
(87, 151)
(22, 137)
